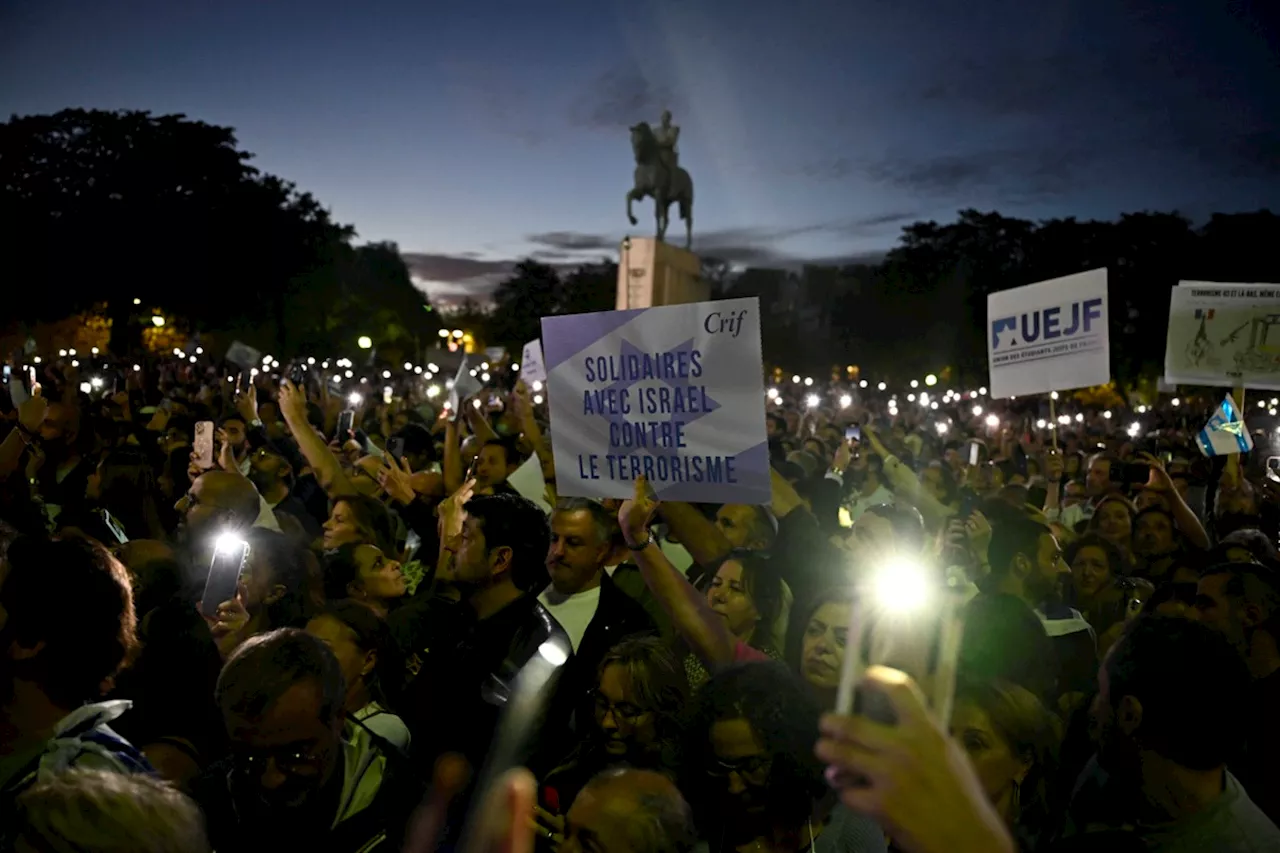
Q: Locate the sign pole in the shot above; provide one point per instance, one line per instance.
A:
(1053, 422)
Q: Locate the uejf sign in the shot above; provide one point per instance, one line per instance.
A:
(1049, 336)
(1047, 324)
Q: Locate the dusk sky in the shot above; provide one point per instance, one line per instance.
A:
(473, 134)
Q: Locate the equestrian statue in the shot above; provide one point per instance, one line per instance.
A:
(658, 175)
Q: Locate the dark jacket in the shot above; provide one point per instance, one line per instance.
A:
(455, 699)
(618, 616)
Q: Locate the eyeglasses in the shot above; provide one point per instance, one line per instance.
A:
(753, 767)
(623, 711)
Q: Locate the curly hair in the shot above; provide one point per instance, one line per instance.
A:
(781, 714)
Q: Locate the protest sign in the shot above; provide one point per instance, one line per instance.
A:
(531, 367)
(1223, 334)
(464, 385)
(1049, 336)
(675, 393)
(527, 480)
(243, 355)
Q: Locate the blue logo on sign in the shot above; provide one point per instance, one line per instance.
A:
(1045, 324)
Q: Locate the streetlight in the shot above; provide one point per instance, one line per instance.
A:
(444, 333)
(457, 333)
(157, 320)
(931, 380)
(364, 342)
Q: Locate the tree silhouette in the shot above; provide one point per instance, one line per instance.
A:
(121, 206)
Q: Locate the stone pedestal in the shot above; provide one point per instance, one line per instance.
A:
(652, 273)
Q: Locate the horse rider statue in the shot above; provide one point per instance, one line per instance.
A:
(658, 175)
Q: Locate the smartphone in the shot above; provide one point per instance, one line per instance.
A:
(114, 526)
(968, 503)
(853, 433)
(203, 446)
(229, 557)
(975, 454)
(1273, 468)
(298, 375)
(395, 448)
(1129, 473)
(8, 373)
(345, 421)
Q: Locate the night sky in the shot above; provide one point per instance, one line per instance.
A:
(473, 134)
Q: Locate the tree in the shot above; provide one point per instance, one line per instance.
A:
(121, 206)
(536, 290)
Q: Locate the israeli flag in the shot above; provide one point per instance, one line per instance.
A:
(1225, 433)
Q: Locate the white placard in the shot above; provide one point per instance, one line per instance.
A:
(1049, 336)
(674, 393)
(531, 367)
(528, 481)
(1223, 334)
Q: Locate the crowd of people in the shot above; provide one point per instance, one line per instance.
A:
(1116, 682)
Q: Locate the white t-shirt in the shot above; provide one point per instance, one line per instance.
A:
(573, 612)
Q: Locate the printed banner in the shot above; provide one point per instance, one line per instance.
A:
(675, 393)
(531, 367)
(1223, 334)
(1049, 336)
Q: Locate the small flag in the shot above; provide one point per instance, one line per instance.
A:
(1225, 433)
(1202, 314)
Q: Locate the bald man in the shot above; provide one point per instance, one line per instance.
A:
(629, 811)
(218, 501)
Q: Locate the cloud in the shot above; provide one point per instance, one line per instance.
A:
(574, 241)
(449, 280)
(621, 97)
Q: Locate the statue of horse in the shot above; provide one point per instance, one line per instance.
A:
(654, 179)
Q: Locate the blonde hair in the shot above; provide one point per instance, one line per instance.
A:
(109, 812)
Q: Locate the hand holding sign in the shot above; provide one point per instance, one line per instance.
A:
(636, 512)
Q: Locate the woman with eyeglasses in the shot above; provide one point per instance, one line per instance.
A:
(640, 694)
(750, 773)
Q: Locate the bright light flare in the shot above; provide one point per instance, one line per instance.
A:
(993, 421)
(354, 399)
(845, 401)
(812, 401)
(902, 586)
(229, 543)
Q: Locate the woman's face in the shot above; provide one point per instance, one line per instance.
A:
(822, 647)
(355, 662)
(626, 726)
(377, 577)
(728, 597)
(998, 767)
(1114, 523)
(341, 528)
(1090, 570)
(741, 764)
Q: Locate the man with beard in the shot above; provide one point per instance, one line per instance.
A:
(292, 781)
(1167, 714)
(271, 470)
(66, 626)
(1242, 602)
(1026, 562)
(497, 545)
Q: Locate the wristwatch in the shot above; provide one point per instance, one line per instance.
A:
(640, 546)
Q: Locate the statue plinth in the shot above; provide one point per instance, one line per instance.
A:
(651, 272)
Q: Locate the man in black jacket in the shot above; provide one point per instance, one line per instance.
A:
(454, 701)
